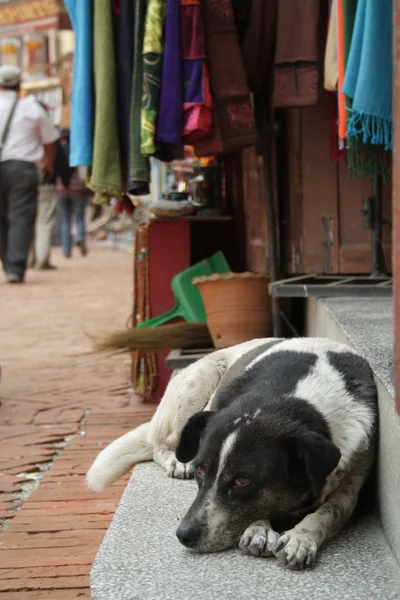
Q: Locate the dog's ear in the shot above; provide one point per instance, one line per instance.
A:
(312, 457)
(190, 437)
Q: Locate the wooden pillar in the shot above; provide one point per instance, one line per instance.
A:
(396, 197)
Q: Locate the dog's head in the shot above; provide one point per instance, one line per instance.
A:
(248, 469)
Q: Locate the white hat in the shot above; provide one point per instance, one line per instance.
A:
(9, 76)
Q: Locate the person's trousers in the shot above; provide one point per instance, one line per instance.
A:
(18, 199)
(45, 222)
(72, 206)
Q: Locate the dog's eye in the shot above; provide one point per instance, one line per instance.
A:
(241, 481)
(200, 471)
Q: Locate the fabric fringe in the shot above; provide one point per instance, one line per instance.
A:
(371, 129)
(369, 161)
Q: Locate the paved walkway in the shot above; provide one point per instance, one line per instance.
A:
(58, 410)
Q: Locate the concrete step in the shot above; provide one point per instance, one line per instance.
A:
(141, 559)
(367, 324)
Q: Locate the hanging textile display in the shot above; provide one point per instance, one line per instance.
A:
(82, 115)
(233, 115)
(105, 177)
(340, 27)
(331, 72)
(297, 54)
(153, 49)
(123, 23)
(139, 166)
(197, 116)
(259, 42)
(368, 87)
(170, 114)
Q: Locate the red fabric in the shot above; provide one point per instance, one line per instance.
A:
(197, 116)
(336, 152)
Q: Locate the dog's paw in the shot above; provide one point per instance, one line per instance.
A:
(296, 550)
(259, 539)
(178, 470)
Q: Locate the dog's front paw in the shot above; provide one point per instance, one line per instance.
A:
(259, 539)
(178, 470)
(296, 550)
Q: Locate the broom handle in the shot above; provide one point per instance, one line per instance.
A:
(161, 319)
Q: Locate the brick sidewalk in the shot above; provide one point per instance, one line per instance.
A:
(58, 410)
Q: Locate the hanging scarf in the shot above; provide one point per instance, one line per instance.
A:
(341, 71)
(123, 22)
(170, 116)
(197, 116)
(297, 59)
(105, 177)
(367, 87)
(153, 48)
(82, 114)
(233, 115)
(139, 184)
(331, 52)
(259, 42)
(368, 80)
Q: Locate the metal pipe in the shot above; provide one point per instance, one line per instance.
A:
(272, 242)
(263, 113)
(378, 261)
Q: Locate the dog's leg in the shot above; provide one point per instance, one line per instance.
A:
(298, 547)
(175, 469)
(187, 393)
(259, 539)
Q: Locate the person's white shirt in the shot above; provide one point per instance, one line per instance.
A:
(31, 129)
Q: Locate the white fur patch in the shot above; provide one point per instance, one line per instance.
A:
(226, 449)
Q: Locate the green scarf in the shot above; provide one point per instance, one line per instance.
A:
(153, 51)
(105, 176)
(139, 165)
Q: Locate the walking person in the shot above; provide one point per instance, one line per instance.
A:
(72, 196)
(45, 218)
(27, 137)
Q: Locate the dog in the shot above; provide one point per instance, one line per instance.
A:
(275, 431)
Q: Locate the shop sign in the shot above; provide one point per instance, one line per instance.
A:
(31, 10)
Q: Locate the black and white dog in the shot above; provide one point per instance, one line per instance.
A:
(274, 431)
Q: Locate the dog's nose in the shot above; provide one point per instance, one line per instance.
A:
(188, 535)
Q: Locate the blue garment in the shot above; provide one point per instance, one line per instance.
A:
(368, 79)
(70, 206)
(82, 116)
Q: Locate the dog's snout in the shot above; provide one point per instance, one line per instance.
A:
(188, 535)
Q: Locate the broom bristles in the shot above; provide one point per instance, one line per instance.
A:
(166, 337)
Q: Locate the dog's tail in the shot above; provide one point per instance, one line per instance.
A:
(119, 457)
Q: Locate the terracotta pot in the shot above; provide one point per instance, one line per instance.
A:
(237, 305)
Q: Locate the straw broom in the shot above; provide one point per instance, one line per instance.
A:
(149, 339)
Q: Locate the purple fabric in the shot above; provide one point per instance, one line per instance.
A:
(193, 81)
(170, 115)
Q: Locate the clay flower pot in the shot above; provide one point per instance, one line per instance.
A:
(237, 305)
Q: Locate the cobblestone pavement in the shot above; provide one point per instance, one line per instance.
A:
(59, 408)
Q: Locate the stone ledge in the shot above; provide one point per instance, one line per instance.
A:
(140, 557)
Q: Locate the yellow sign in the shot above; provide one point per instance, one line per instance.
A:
(31, 10)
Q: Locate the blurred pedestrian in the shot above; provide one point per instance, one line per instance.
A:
(72, 195)
(27, 137)
(46, 218)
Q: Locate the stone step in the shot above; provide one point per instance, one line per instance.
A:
(367, 325)
(140, 557)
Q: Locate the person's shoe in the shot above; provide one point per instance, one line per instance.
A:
(46, 266)
(82, 247)
(67, 254)
(14, 278)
